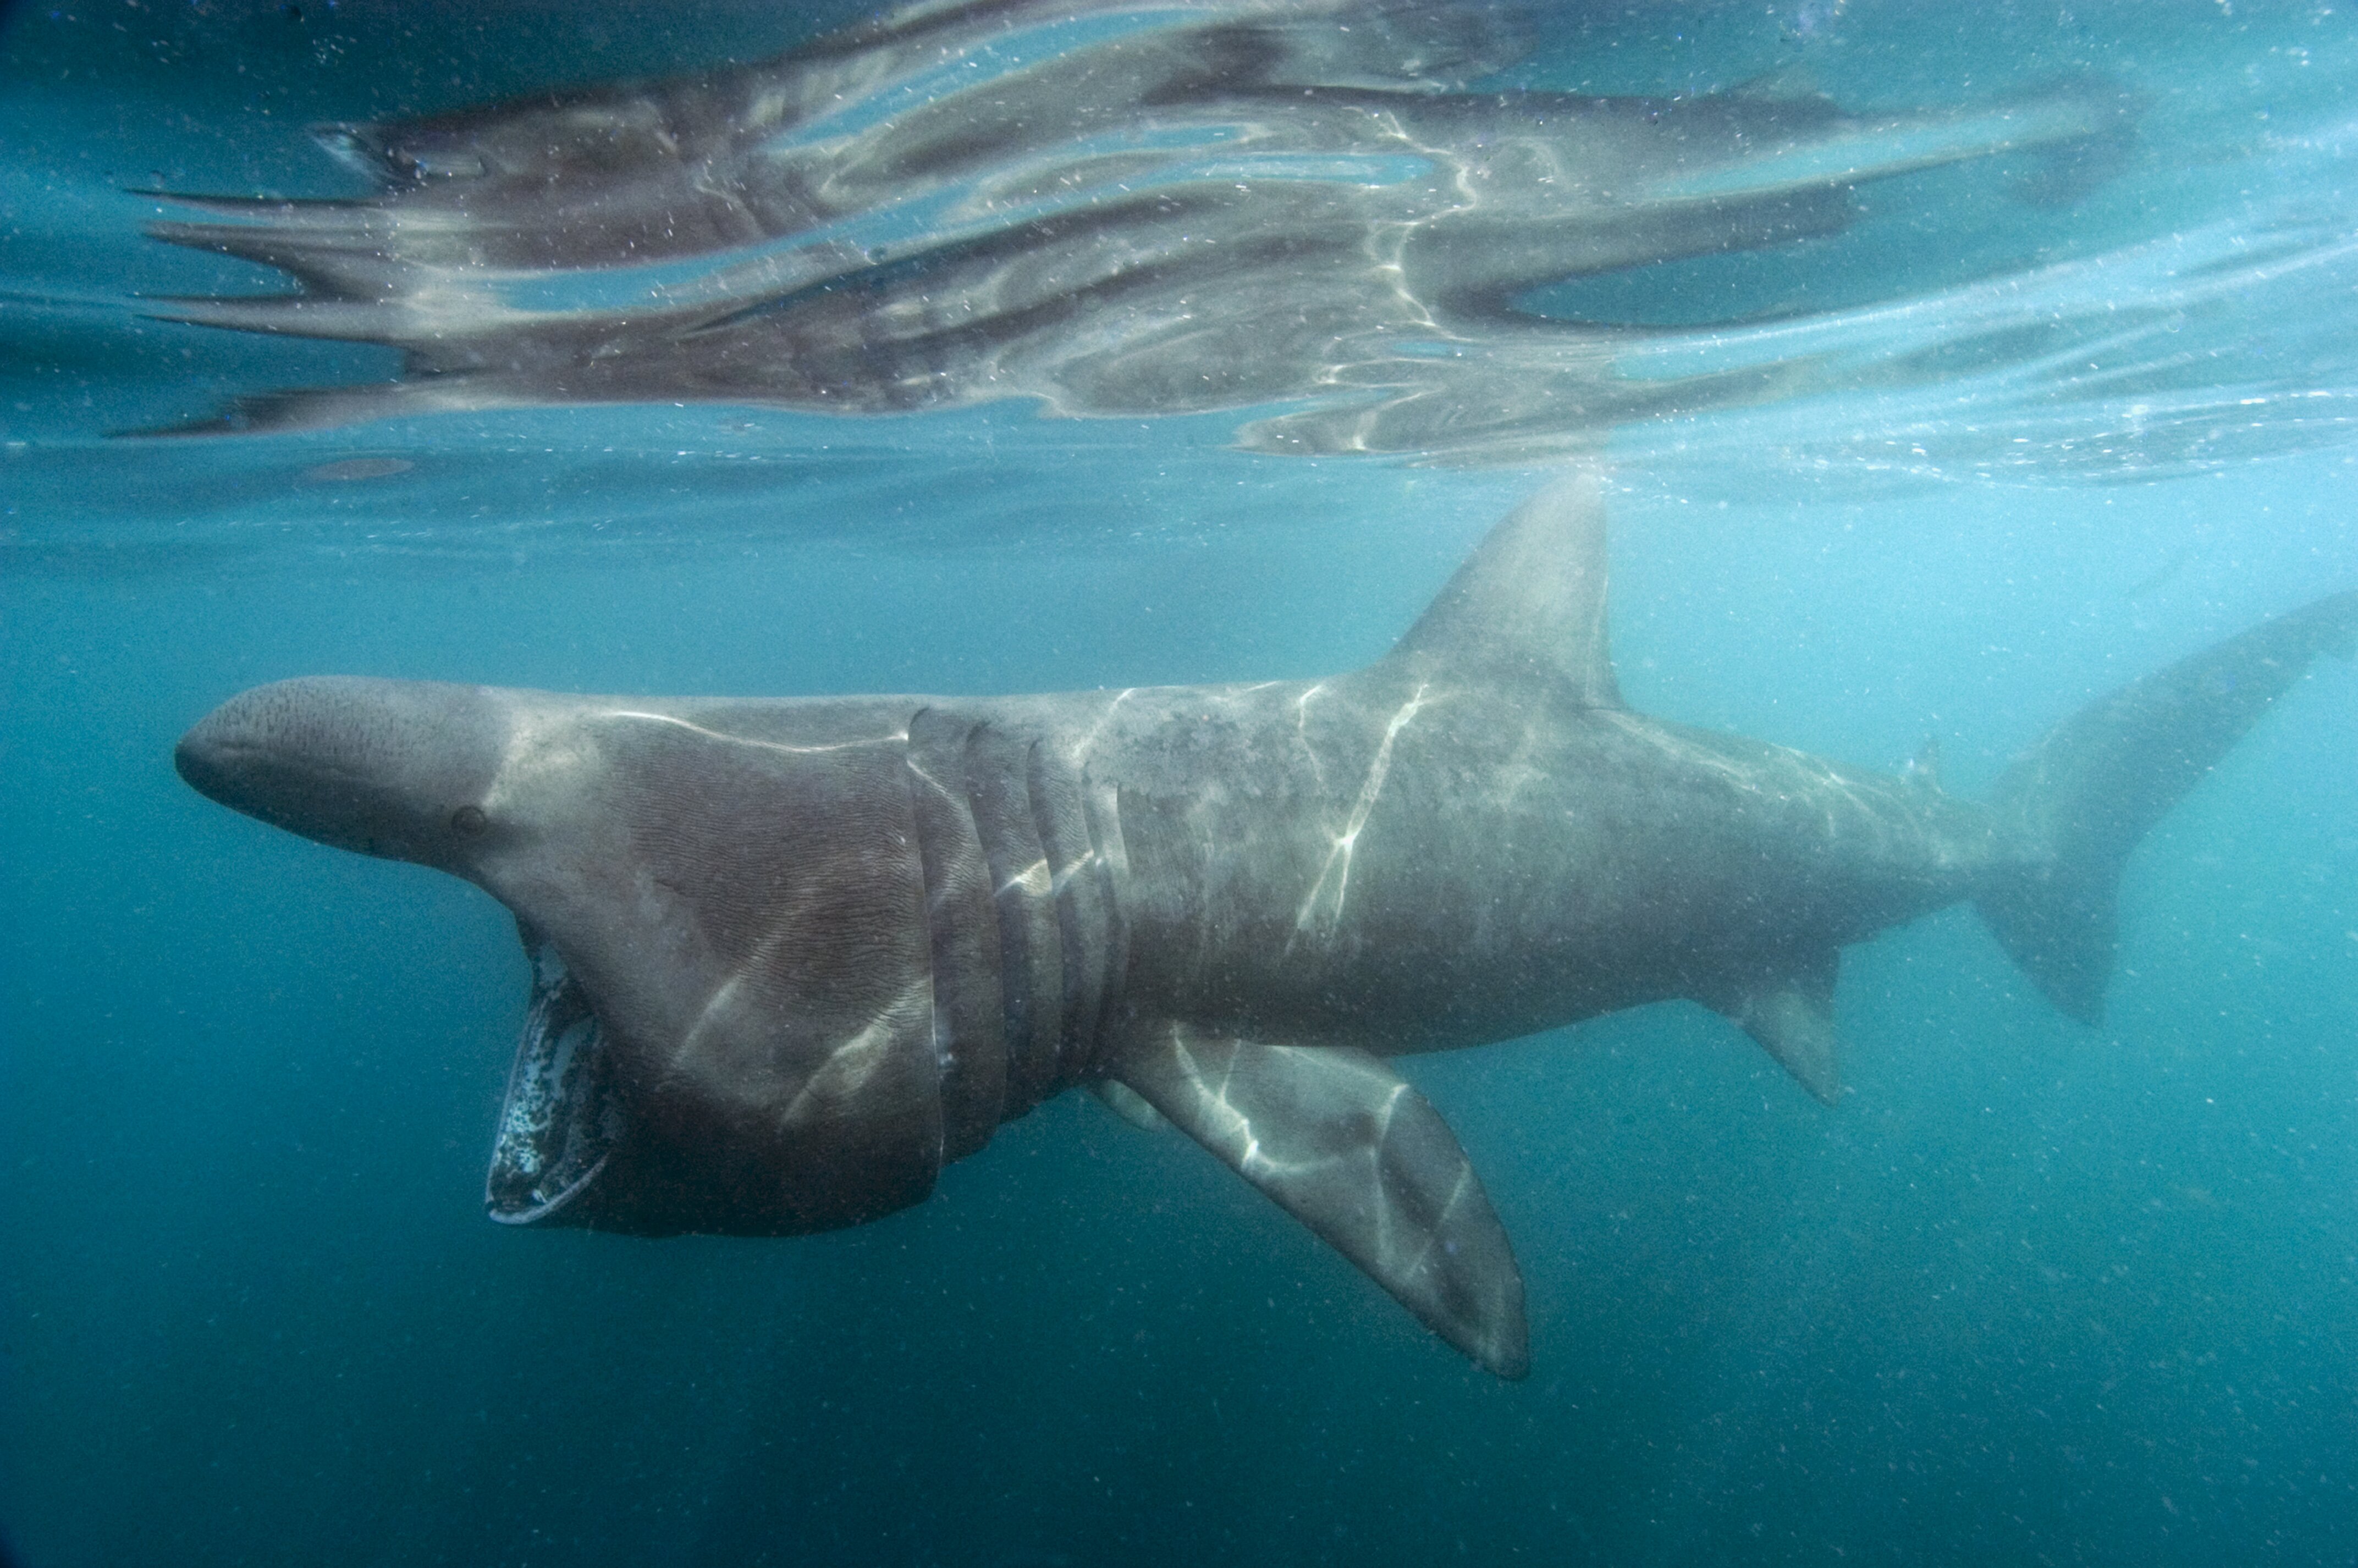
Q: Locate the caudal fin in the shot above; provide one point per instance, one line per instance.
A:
(2089, 790)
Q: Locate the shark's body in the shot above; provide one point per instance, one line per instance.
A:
(793, 956)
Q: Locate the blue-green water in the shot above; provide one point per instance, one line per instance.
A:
(2031, 1292)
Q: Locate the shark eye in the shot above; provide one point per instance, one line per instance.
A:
(469, 821)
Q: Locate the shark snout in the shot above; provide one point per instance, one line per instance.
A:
(251, 754)
(390, 768)
(209, 756)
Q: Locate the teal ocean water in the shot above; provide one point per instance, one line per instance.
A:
(2030, 370)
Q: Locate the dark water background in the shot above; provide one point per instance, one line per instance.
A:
(2030, 1294)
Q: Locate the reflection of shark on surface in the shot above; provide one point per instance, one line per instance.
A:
(1130, 211)
(790, 956)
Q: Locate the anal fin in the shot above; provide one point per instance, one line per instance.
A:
(1341, 1142)
(1792, 1013)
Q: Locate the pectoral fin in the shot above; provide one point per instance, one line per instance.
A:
(1126, 1103)
(1349, 1149)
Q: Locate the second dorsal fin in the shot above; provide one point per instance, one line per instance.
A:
(1532, 598)
(1923, 769)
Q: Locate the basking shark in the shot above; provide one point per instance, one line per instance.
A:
(1111, 209)
(790, 956)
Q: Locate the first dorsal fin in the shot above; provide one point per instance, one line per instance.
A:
(1531, 598)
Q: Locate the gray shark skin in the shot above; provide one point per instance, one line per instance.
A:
(790, 956)
(1112, 209)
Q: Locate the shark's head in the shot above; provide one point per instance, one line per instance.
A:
(399, 769)
(731, 894)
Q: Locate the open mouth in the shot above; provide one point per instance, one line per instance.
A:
(562, 1119)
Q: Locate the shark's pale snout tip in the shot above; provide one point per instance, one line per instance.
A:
(201, 759)
(224, 755)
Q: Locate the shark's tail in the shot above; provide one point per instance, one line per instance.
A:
(2089, 790)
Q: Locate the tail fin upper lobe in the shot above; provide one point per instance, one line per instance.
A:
(2089, 790)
